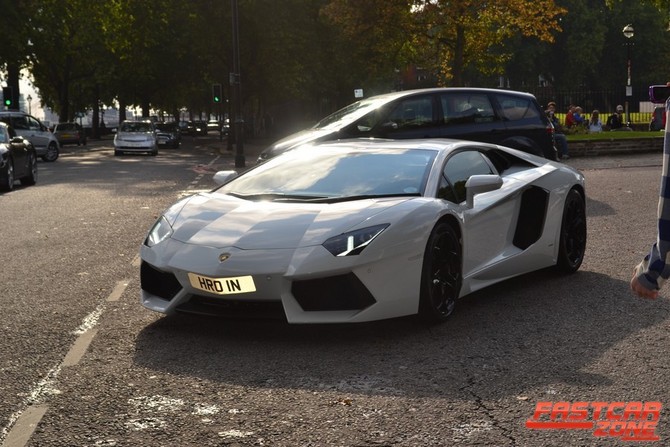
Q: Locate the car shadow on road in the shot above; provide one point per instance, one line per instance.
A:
(532, 331)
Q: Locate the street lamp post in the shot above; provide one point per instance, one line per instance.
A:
(628, 33)
(235, 84)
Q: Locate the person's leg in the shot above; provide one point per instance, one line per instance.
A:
(562, 144)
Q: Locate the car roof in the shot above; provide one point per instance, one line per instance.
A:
(400, 94)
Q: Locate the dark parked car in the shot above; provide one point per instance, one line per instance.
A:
(504, 117)
(199, 127)
(69, 133)
(18, 159)
(168, 134)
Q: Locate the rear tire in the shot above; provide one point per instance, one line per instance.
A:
(572, 245)
(441, 276)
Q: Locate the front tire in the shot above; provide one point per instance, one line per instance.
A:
(52, 152)
(572, 245)
(441, 276)
(8, 183)
(31, 178)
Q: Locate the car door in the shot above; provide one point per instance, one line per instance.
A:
(410, 117)
(526, 125)
(36, 133)
(490, 223)
(470, 116)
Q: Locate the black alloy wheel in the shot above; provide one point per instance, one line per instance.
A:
(572, 245)
(52, 152)
(441, 276)
(31, 178)
(8, 183)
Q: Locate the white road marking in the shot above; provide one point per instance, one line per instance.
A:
(25, 426)
(23, 422)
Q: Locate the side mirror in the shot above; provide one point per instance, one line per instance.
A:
(222, 177)
(478, 184)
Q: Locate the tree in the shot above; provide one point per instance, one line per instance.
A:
(15, 47)
(466, 34)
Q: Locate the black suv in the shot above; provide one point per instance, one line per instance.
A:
(504, 117)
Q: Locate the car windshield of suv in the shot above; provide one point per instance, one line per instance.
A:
(335, 173)
(351, 113)
(136, 127)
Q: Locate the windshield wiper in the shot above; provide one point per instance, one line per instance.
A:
(365, 196)
(278, 197)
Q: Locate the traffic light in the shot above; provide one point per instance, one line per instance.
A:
(8, 96)
(217, 97)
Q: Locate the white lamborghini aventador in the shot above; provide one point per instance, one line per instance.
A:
(363, 230)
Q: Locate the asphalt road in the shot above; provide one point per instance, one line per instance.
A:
(83, 364)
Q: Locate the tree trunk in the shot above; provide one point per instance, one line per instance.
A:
(459, 51)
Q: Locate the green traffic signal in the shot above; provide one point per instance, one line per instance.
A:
(7, 93)
(216, 93)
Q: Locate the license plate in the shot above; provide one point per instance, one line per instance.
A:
(223, 286)
(162, 140)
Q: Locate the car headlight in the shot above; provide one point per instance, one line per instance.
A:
(159, 232)
(353, 242)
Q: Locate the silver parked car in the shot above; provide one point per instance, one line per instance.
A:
(45, 143)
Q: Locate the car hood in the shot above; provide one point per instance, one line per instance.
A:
(219, 220)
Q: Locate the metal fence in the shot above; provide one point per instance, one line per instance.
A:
(605, 101)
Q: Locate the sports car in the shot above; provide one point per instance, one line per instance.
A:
(361, 230)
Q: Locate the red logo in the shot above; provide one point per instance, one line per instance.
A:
(628, 421)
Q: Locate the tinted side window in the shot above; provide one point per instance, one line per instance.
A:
(20, 123)
(412, 113)
(517, 108)
(457, 171)
(466, 108)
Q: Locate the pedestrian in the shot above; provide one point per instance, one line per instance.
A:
(595, 125)
(578, 117)
(570, 116)
(559, 135)
(651, 273)
(615, 120)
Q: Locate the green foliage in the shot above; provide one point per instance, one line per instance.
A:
(308, 56)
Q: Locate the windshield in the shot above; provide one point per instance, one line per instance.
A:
(327, 173)
(351, 112)
(136, 126)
